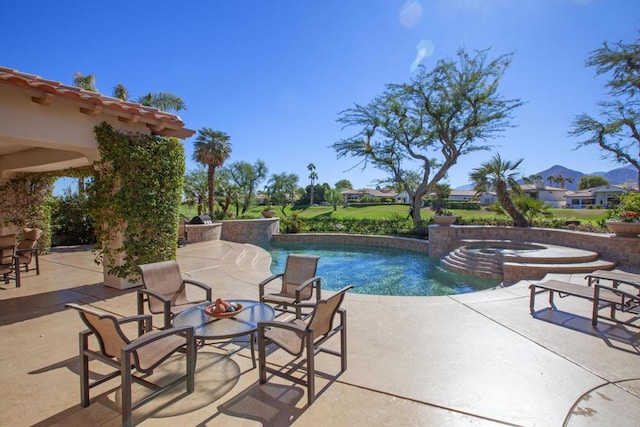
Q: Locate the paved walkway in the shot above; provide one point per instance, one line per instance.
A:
(476, 359)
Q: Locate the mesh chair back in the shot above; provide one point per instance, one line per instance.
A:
(106, 329)
(7, 250)
(165, 278)
(299, 268)
(322, 321)
(29, 241)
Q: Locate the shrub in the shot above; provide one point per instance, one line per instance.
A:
(70, 220)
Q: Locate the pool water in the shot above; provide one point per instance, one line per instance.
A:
(379, 270)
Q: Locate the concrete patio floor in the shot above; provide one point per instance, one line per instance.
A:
(475, 359)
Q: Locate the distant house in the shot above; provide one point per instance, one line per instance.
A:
(462, 195)
(553, 196)
(357, 195)
(402, 197)
(488, 198)
(605, 195)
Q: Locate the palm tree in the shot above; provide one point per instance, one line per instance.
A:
(87, 82)
(163, 101)
(212, 149)
(312, 176)
(500, 176)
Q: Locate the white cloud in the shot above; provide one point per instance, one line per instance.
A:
(424, 49)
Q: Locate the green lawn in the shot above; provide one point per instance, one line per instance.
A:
(389, 211)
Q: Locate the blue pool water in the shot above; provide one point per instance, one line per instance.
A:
(379, 270)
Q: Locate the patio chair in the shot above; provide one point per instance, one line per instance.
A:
(9, 263)
(131, 358)
(164, 289)
(304, 338)
(298, 282)
(28, 248)
(624, 301)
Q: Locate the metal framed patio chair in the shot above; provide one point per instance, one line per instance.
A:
(298, 283)
(9, 262)
(304, 339)
(27, 249)
(131, 358)
(164, 289)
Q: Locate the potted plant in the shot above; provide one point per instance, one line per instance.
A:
(444, 218)
(625, 219)
(268, 212)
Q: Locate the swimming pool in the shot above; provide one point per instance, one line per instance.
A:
(379, 270)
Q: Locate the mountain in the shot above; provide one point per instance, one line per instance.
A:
(561, 170)
(615, 176)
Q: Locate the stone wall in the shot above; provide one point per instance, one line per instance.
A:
(202, 232)
(254, 231)
(624, 251)
(354, 239)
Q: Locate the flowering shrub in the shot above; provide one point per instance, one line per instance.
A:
(628, 210)
(628, 216)
(443, 212)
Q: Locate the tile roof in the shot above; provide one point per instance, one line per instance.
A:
(45, 91)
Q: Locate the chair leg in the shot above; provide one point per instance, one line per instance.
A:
(84, 370)
(262, 356)
(35, 253)
(125, 374)
(140, 311)
(191, 361)
(311, 371)
(17, 271)
(343, 343)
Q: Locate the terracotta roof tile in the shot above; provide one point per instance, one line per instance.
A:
(160, 122)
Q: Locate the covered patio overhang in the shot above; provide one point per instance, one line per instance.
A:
(48, 126)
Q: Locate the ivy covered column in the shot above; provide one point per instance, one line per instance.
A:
(135, 200)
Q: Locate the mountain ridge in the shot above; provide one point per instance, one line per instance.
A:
(615, 176)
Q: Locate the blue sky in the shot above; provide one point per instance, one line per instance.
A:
(274, 75)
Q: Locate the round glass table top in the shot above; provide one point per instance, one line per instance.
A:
(208, 327)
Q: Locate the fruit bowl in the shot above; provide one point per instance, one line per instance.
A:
(210, 310)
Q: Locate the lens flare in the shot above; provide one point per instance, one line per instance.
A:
(410, 13)
(424, 48)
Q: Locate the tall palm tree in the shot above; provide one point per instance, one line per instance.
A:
(312, 176)
(212, 149)
(500, 176)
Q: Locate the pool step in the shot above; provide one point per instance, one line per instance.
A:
(516, 261)
(473, 263)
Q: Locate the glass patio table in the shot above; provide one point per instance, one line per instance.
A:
(206, 327)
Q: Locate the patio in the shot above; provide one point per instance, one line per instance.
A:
(473, 359)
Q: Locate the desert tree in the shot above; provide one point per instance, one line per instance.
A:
(616, 131)
(426, 125)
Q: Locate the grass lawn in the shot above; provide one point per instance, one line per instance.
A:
(390, 211)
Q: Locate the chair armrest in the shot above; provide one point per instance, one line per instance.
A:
(283, 325)
(154, 294)
(142, 319)
(166, 302)
(262, 284)
(149, 338)
(310, 282)
(200, 285)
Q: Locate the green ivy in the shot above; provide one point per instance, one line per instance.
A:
(136, 191)
(27, 203)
